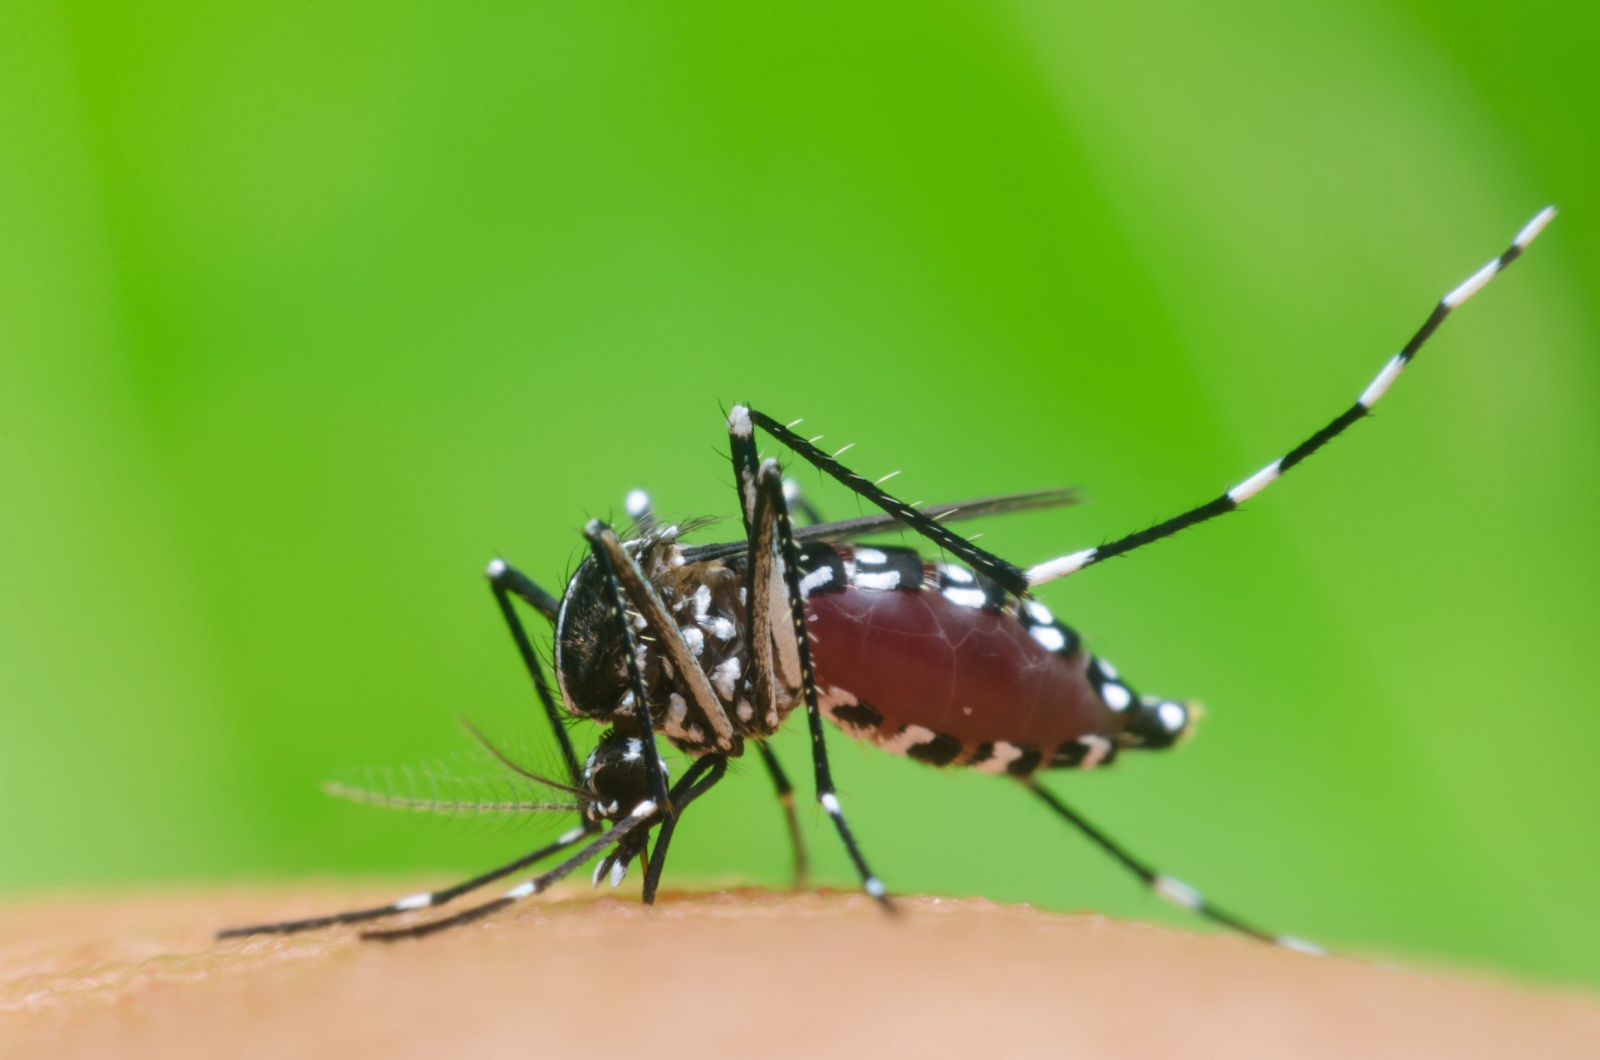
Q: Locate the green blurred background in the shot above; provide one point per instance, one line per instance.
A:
(308, 310)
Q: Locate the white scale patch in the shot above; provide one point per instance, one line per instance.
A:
(415, 901)
(1177, 892)
(634, 750)
(1173, 716)
(815, 580)
(1107, 669)
(974, 598)
(871, 556)
(720, 628)
(1049, 636)
(677, 708)
(745, 710)
(956, 574)
(1098, 747)
(907, 738)
(881, 581)
(725, 678)
(702, 602)
(1004, 754)
(1116, 696)
(693, 639)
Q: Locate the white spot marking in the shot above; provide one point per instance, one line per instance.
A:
(874, 887)
(702, 601)
(907, 738)
(967, 711)
(644, 809)
(791, 489)
(572, 836)
(815, 580)
(1004, 754)
(1049, 636)
(830, 802)
(522, 890)
(635, 747)
(1107, 669)
(1059, 568)
(619, 871)
(1255, 483)
(637, 503)
(1473, 284)
(966, 597)
(1039, 613)
(1098, 747)
(721, 628)
(745, 710)
(693, 639)
(1289, 942)
(881, 581)
(1177, 892)
(739, 421)
(956, 574)
(415, 901)
(497, 567)
(1173, 716)
(1531, 230)
(1116, 696)
(726, 677)
(676, 709)
(872, 556)
(1381, 383)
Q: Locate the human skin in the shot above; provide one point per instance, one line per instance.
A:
(728, 973)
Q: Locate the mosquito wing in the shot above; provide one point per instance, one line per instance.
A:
(862, 526)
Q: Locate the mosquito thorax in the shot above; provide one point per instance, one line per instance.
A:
(705, 599)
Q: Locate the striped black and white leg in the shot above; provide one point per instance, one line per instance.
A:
(1167, 887)
(506, 581)
(1071, 564)
(769, 491)
(411, 903)
(644, 815)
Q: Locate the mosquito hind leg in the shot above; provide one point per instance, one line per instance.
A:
(1167, 887)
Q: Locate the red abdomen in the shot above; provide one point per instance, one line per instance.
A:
(934, 663)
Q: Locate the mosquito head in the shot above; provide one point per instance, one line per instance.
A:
(588, 649)
(617, 776)
(589, 662)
